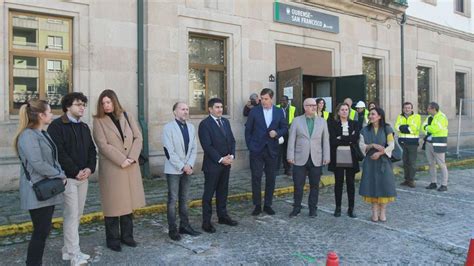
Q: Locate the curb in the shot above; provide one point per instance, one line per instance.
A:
(326, 180)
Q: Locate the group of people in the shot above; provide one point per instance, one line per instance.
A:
(66, 149)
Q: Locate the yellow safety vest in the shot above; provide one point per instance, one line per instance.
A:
(325, 115)
(414, 124)
(352, 114)
(292, 113)
(438, 130)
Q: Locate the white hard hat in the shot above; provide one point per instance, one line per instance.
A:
(360, 104)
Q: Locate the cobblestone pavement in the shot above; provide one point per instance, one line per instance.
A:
(423, 228)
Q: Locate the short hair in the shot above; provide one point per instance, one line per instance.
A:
(408, 103)
(267, 91)
(213, 101)
(69, 99)
(253, 96)
(175, 105)
(434, 105)
(286, 97)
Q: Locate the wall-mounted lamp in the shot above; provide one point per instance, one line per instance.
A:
(271, 78)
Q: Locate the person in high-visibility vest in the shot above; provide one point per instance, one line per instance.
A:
(289, 113)
(435, 128)
(408, 127)
(321, 109)
(362, 114)
(352, 113)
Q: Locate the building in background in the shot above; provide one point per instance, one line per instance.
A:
(196, 49)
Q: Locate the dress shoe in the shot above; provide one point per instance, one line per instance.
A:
(442, 188)
(257, 210)
(294, 212)
(350, 213)
(337, 212)
(117, 248)
(129, 242)
(411, 184)
(174, 235)
(228, 221)
(431, 186)
(404, 183)
(207, 227)
(268, 210)
(188, 230)
(313, 212)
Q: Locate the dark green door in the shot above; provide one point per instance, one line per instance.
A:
(292, 78)
(353, 87)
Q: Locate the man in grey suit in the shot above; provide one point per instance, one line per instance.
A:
(179, 143)
(308, 150)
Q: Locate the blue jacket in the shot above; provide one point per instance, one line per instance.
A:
(257, 134)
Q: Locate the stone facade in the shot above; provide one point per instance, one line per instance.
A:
(105, 47)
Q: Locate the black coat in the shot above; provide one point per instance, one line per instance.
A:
(214, 143)
(337, 139)
(74, 154)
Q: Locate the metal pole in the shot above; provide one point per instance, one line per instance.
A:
(459, 128)
(402, 55)
(141, 86)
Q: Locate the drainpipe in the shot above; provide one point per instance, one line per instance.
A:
(141, 87)
(402, 55)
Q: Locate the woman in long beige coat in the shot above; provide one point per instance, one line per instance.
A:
(119, 142)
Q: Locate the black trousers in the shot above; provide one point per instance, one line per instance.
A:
(41, 218)
(215, 181)
(258, 164)
(409, 161)
(299, 180)
(282, 155)
(118, 228)
(339, 177)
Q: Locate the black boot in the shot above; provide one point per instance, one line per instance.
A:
(112, 233)
(350, 212)
(126, 230)
(337, 212)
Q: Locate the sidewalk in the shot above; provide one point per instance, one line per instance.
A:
(14, 220)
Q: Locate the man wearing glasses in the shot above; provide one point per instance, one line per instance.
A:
(77, 156)
(308, 150)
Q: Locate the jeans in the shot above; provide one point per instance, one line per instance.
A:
(178, 186)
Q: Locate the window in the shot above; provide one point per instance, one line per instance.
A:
(460, 91)
(54, 65)
(371, 70)
(423, 89)
(207, 76)
(55, 42)
(462, 7)
(41, 57)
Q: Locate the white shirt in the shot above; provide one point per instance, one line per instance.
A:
(215, 120)
(268, 114)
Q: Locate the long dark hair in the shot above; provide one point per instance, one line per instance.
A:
(380, 112)
(118, 109)
(321, 100)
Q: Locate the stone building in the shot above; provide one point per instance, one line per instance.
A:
(197, 49)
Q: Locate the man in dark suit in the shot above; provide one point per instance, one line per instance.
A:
(265, 124)
(218, 143)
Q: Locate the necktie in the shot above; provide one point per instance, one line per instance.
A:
(221, 126)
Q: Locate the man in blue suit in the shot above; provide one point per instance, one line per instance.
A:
(265, 124)
(218, 143)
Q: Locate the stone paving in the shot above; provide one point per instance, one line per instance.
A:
(423, 228)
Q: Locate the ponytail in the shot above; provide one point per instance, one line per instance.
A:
(29, 118)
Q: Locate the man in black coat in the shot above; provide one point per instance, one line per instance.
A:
(77, 156)
(218, 143)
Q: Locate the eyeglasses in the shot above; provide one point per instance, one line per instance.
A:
(80, 104)
(311, 105)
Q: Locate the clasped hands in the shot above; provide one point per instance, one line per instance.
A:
(380, 151)
(83, 174)
(127, 163)
(227, 160)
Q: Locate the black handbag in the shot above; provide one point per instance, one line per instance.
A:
(359, 155)
(142, 159)
(46, 188)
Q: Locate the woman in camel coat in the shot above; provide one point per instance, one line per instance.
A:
(119, 142)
